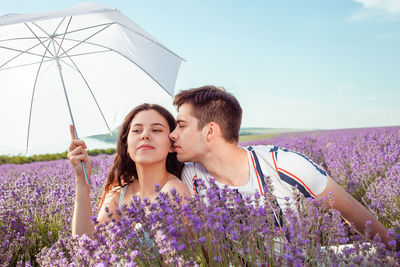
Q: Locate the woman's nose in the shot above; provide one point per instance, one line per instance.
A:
(145, 135)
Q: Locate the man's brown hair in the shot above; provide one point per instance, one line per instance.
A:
(213, 104)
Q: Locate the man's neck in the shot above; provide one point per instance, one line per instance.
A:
(228, 164)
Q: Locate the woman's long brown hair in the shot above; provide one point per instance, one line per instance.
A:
(123, 170)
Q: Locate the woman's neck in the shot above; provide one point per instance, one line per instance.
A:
(149, 175)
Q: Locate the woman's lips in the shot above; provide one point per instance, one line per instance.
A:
(145, 147)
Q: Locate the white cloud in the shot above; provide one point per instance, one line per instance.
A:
(388, 35)
(376, 9)
(390, 6)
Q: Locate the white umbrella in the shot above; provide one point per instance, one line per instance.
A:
(89, 63)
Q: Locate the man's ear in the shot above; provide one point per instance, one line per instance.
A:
(213, 131)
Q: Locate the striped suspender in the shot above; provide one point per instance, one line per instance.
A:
(258, 168)
(195, 184)
(260, 175)
(262, 178)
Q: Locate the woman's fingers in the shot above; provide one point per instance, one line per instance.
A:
(77, 151)
(76, 143)
(76, 159)
(76, 155)
(72, 131)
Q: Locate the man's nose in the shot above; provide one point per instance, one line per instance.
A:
(172, 135)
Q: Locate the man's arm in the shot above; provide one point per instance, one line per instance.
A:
(352, 210)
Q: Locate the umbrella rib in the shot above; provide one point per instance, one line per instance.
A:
(59, 24)
(82, 54)
(103, 46)
(28, 64)
(85, 28)
(22, 52)
(40, 28)
(51, 59)
(88, 53)
(66, 29)
(84, 40)
(69, 65)
(73, 31)
(20, 38)
(38, 39)
(136, 32)
(99, 25)
(33, 94)
(156, 43)
(87, 84)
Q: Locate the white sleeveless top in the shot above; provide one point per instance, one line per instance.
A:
(121, 197)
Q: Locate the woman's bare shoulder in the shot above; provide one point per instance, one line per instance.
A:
(112, 196)
(180, 186)
(115, 190)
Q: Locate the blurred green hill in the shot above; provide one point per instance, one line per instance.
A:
(245, 134)
(249, 134)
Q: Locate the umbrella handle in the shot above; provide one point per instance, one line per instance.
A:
(69, 107)
(76, 137)
(84, 170)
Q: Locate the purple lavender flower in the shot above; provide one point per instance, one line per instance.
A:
(219, 228)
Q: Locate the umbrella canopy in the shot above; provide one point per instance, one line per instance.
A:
(106, 63)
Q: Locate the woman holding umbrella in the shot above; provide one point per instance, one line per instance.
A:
(144, 158)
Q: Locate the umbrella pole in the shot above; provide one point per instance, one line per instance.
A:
(69, 107)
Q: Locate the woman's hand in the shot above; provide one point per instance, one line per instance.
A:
(76, 154)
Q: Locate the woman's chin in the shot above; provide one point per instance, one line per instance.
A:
(146, 160)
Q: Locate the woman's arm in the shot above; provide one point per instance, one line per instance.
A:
(110, 203)
(81, 223)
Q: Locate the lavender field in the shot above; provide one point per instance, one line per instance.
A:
(36, 204)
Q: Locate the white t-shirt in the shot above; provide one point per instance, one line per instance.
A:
(284, 168)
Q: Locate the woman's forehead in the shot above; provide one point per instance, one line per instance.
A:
(149, 117)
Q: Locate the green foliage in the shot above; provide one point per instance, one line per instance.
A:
(44, 234)
(19, 159)
(253, 137)
(107, 138)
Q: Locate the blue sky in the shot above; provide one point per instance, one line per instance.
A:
(292, 64)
